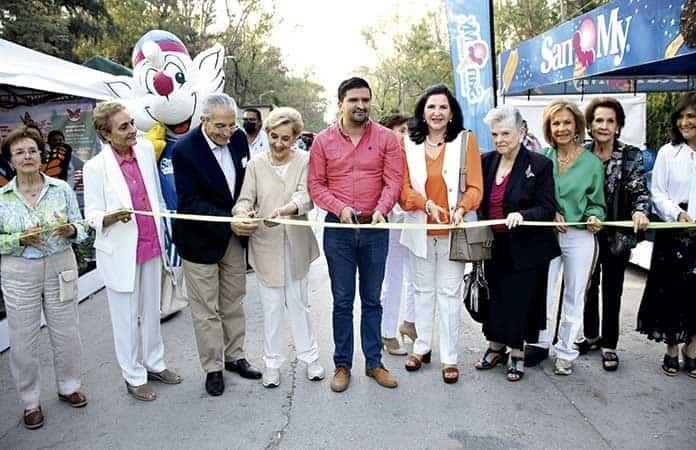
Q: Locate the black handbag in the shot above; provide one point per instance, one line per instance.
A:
(469, 244)
(476, 295)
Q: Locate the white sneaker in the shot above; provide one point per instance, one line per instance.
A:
(563, 367)
(271, 378)
(315, 371)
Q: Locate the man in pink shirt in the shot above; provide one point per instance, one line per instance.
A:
(355, 173)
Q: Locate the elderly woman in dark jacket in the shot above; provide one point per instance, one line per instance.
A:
(518, 186)
(627, 198)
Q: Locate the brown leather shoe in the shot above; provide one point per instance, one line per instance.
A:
(341, 379)
(77, 399)
(33, 418)
(382, 377)
(144, 392)
(166, 376)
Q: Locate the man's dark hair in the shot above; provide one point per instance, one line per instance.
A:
(352, 83)
(418, 129)
(393, 120)
(255, 111)
(686, 101)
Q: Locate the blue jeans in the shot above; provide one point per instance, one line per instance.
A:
(347, 250)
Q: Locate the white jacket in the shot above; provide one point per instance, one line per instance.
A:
(106, 191)
(416, 240)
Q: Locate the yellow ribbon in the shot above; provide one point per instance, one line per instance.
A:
(400, 226)
(376, 226)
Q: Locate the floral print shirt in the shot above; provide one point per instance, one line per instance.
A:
(624, 176)
(57, 204)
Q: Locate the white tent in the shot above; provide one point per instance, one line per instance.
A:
(23, 67)
(23, 71)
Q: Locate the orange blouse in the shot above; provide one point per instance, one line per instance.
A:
(436, 189)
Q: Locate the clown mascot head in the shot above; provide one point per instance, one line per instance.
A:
(164, 97)
(165, 93)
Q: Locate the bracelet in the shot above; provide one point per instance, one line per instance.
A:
(427, 210)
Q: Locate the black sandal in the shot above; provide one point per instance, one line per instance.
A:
(586, 346)
(610, 361)
(670, 365)
(689, 365)
(514, 373)
(500, 358)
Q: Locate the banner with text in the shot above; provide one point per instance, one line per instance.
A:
(472, 64)
(623, 34)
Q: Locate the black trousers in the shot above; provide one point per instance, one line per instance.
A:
(610, 272)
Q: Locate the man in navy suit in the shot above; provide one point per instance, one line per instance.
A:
(209, 164)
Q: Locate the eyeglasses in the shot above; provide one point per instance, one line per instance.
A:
(30, 152)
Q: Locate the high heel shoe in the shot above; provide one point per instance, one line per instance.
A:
(414, 361)
(408, 329)
(393, 347)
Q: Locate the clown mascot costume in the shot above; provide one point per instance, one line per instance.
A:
(164, 97)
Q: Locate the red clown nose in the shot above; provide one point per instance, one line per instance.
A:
(163, 84)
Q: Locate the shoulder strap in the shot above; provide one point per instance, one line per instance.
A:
(462, 163)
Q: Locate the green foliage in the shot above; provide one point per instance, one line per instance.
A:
(660, 107)
(52, 26)
(133, 18)
(419, 58)
(255, 70)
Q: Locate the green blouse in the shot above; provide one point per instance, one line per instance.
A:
(579, 191)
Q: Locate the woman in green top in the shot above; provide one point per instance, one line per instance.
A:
(579, 180)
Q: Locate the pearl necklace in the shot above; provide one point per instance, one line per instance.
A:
(429, 142)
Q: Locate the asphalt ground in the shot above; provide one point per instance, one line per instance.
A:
(636, 407)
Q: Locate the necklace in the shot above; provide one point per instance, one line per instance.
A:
(429, 142)
(565, 163)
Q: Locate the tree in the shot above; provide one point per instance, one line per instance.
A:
(133, 18)
(419, 58)
(52, 26)
(660, 107)
(255, 70)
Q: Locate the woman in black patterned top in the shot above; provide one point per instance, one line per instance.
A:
(626, 193)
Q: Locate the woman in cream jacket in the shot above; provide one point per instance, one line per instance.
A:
(275, 185)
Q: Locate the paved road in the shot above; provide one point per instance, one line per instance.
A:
(636, 407)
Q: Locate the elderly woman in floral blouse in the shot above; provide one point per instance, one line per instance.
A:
(626, 195)
(39, 221)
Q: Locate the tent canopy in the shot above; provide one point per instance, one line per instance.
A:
(24, 71)
(624, 46)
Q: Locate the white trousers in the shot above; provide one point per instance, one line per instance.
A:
(577, 260)
(397, 269)
(24, 283)
(136, 324)
(437, 281)
(293, 300)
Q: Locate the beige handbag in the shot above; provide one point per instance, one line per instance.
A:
(469, 244)
(173, 295)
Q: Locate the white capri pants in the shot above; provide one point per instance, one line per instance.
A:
(437, 281)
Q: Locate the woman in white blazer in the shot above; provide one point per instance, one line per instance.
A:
(430, 194)
(123, 176)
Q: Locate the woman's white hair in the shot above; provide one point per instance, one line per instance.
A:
(509, 115)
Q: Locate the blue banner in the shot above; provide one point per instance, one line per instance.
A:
(625, 38)
(472, 63)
